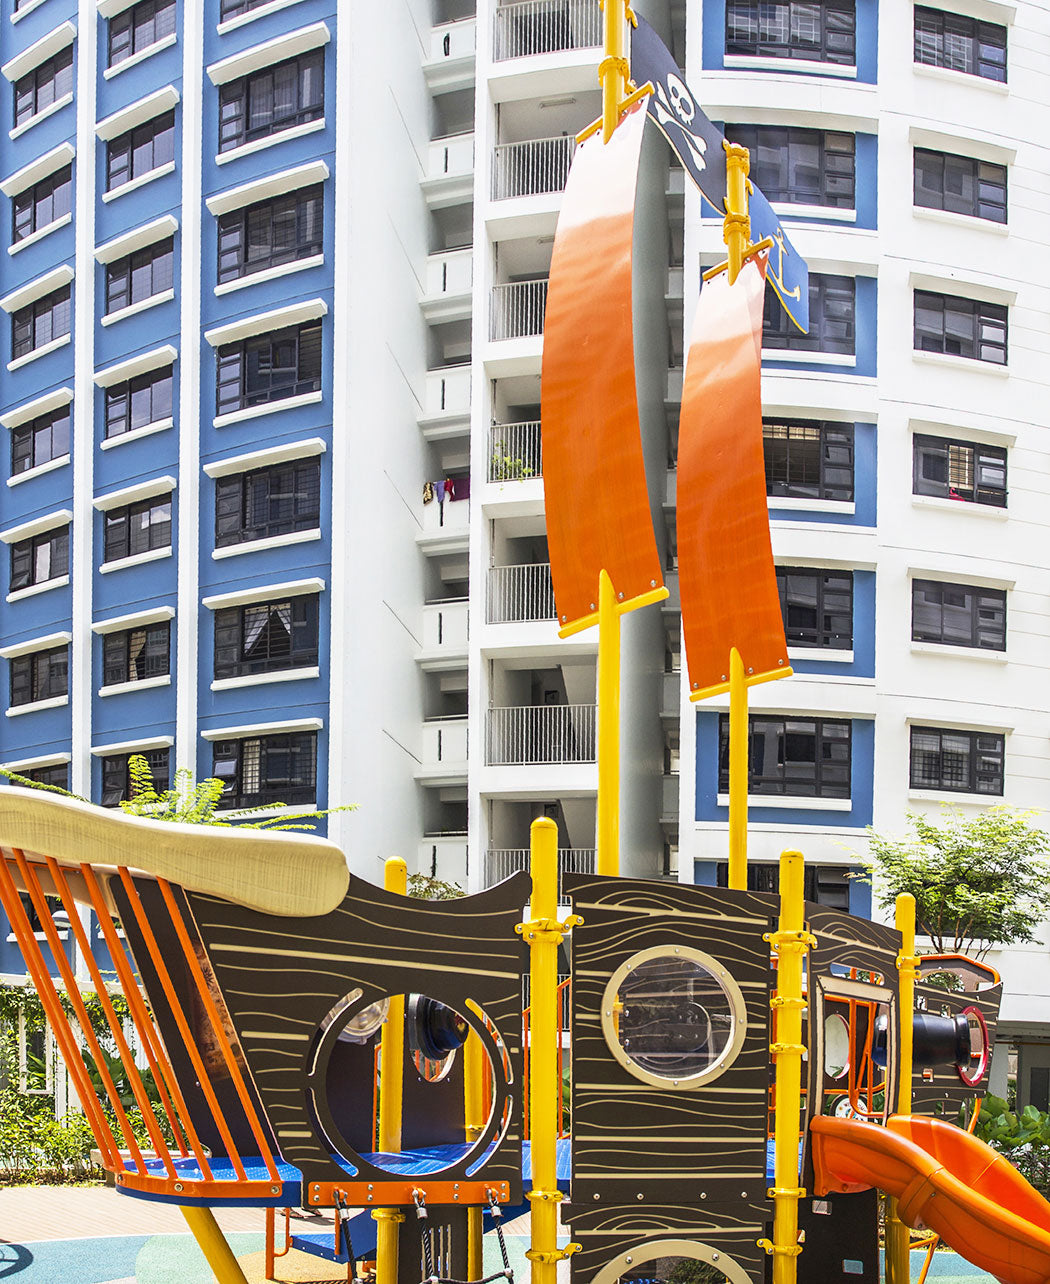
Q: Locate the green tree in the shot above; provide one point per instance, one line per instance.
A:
(186, 802)
(977, 881)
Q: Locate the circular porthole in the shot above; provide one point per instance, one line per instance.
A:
(974, 1072)
(836, 1046)
(673, 1017)
(672, 1261)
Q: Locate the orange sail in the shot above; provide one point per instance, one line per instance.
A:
(725, 560)
(593, 470)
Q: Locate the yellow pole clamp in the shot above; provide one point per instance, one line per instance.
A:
(550, 1258)
(779, 1250)
(547, 929)
(790, 942)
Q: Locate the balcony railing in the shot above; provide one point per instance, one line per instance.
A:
(502, 862)
(517, 309)
(519, 593)
(532, 168)
(515, 451)
(545, 26)
(549, 733)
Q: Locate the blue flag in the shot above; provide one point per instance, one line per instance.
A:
(699, 146)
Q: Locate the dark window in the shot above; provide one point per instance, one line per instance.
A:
(268, 502)
(960, 470)
(810, 29)
(267, 769)
(116, 779)
(270, 233)
(269, 367)
(800, 166)
(56, 776)
(137, 528)
(42, 558)
(45, 84)
(960, 327)
(268, 101)
(826, 885)
(234, 8)
(832, 327)
(139, 27)
(140, 276)
(40, 441)
(266, 637)
(41, 676)
(960, 184)
(40, 323)
(146, 399)
(817, 607)
(807, 460)
(958, 615)
(142, 149)
(796, 757)
(40, 205)
(136, 654)
(968, 762)
(961, 44)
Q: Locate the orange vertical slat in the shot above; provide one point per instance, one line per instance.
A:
(155, 1051)
(56, 1015)
(220, 1030)
(76, 999)
(143, 1102)
(183, 1025)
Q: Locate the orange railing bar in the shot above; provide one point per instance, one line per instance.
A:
(134, 1077)
(77, 1001)
(183, 1025)
(155, 1052)
(220, 1032)
(55, 1014)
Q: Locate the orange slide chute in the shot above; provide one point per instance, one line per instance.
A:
(945, 1179)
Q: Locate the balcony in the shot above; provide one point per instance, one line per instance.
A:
(520, 593)
(516, 328)
(444, 856)
(443, 758)
(515, 452)
(450, 171)
(445, 526)
(446, 403)
(502, 862)
(541, 734)
(445, 635)
(534, 168)
(531, 27)
(450, 63)
(448, 281)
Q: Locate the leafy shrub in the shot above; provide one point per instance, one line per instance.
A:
(1022, 1136)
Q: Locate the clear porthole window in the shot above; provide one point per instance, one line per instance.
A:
(673, 1017)
(836, 1046)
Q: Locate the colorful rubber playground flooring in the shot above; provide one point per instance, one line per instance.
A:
(89, 1235)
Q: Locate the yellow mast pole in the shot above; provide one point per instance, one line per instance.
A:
(898, 1237)
(736, 233)
(391, 1085)
(614, 70)
(608, 806)
(474, 1066)
(791, 942)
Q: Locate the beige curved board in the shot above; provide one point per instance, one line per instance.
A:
(294, 875)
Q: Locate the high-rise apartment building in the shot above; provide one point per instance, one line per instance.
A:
(276, 275)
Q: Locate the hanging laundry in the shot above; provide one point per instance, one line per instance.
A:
(450, 488)
(428, 492)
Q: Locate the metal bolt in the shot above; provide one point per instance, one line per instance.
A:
(628, 1260)
(370, 1186)
(178, 1185)
(780, 662)
(723, 677)
(714, 1257)
(596, 1195)
(674, 1083)
(750, 670)
(652, 584)
(369, 1198)
(593, 607)
(620, 596)
(743, 1194)
(275, 1190)
(703, 1194)
(456, 1195)
(639, 1195)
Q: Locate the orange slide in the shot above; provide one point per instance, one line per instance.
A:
(945, 1179)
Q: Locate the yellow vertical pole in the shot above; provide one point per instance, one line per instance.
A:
(738, 772)
(898, 1238)
(213, 1245)
(792, 943)
(391, 1085)
(737, 227)
(614, 70)
(543, 936)
(474, 1066)
(608, 859)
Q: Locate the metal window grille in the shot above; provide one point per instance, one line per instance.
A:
(960, 470)
(961, 327)
(808, 460)
(957, 761)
